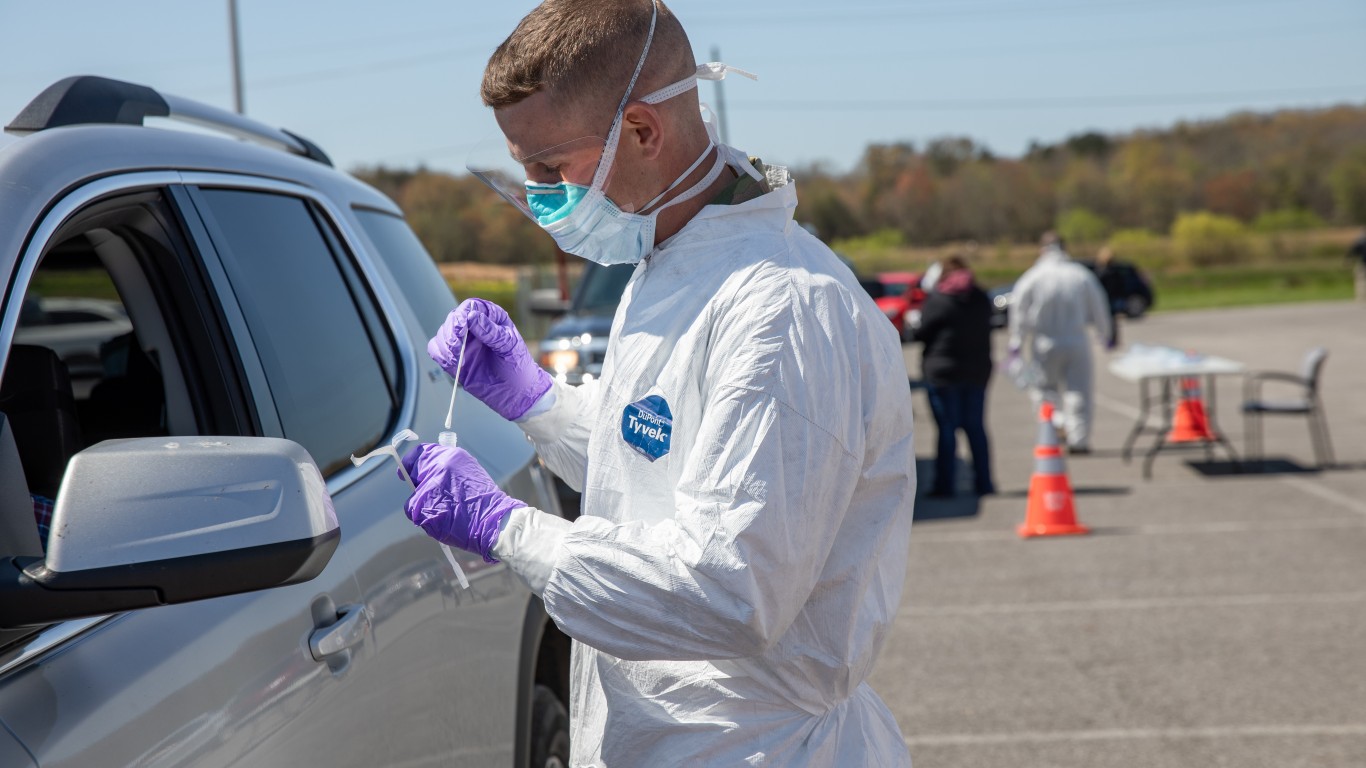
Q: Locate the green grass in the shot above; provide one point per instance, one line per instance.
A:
(84, 283)
(504, 294)
(1235, 287)
(1274, 268)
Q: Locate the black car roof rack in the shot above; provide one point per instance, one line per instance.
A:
(87, 99)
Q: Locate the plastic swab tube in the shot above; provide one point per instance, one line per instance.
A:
(392, 450)
(448, 437)
(459, 572)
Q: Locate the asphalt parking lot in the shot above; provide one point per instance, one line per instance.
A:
(1210, 619)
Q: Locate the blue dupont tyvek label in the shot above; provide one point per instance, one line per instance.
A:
(645, 426)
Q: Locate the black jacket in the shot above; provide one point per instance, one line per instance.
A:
(956, 331)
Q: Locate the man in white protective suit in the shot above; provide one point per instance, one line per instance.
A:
(745, 457)
(1051, 306)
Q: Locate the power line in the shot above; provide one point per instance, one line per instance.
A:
(1039, 48)
(407, 62)
(352, 70)
(1037, 102)
(852, 15)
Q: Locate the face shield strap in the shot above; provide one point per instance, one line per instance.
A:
(609, 151)
(713, 70)
(696, 188)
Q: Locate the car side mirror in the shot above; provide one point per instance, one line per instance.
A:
(155, 521)
(547, 301)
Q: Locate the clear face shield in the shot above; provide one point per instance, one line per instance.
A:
(532, 182)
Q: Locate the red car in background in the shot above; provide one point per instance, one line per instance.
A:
(897, 294)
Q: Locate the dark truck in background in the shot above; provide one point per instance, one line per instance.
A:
(573, 348)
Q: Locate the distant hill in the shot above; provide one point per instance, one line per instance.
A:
(1296, 167)
(1285, 169)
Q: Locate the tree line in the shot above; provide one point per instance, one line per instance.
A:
(1290, 169)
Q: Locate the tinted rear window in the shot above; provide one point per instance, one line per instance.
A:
(422, 284)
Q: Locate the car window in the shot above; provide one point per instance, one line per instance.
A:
(423, 287)
(95, 356)
(62, 279)
(324, 362)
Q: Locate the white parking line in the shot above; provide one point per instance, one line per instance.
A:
(1117, 406)
(1224, 732)
(1327, 494)
(1140, 603)
(922, 536)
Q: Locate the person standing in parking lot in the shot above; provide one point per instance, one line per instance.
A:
(1357, 253)
(1112, 280)
(955, 328)
(746, 455)
(1053, 303)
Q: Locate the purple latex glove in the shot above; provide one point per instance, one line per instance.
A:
(455, 501)
(498, 368)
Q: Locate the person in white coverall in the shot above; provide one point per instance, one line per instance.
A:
(745, 457)
(1051, 306)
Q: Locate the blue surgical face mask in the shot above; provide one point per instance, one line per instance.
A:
(552, 202)
(586, 223)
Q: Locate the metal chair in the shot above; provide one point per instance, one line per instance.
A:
(1307, 404)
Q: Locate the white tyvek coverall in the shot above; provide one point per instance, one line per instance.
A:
(730, 598)
(1051, 305)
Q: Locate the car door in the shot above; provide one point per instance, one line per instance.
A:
(229, 681)
(440, 671)
(459, 670)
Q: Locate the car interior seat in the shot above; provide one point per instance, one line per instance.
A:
(130, 400)
(36, 398)
(18, 529)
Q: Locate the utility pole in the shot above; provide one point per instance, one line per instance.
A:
(720, 100)
(236, 40)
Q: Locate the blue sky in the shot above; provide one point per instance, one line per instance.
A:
(397, 83)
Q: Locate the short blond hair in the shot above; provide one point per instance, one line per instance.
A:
(583, 53)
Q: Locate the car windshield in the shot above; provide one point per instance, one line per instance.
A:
(896, 289)
(600, 291)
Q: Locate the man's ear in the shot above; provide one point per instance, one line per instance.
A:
(641, 130)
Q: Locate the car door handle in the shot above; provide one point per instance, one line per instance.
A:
(353, 621)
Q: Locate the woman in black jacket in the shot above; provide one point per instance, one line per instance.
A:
(955, 327)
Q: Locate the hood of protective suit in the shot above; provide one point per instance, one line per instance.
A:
(748, 476)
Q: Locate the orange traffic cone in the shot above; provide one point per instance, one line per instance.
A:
(1050, 511)
(1190, 423)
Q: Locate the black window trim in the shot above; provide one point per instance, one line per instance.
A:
(362, 260)
(364, 297)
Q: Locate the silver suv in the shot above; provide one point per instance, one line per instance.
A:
(192, 571)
